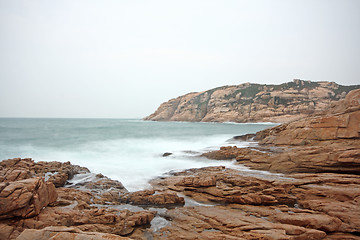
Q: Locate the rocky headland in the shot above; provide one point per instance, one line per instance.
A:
(253, 102)
(304, 184)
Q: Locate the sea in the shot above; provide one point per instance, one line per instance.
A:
(128, 150)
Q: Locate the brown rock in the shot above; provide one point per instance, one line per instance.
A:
(14, 175)
(86, 219)
(217, 222)
(5, 231)
(334, 194)
(325, 202)
(19, 169)
(327, 143)
(105, 190)
(152, 198)
(240, 154)
(25, 198)
(227, 186)
(255, 103)
(342, 236)
(335, 126)
(65, 233)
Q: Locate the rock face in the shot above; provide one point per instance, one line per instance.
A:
(253, 102)
(342, 122)
(327, 143)
(25, 198)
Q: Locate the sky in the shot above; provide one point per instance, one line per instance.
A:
(123, 58)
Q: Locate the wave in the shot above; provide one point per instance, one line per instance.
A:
(126, 150)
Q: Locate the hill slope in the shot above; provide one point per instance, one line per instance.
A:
(253, 102)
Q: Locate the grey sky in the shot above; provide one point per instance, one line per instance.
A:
(123, 58)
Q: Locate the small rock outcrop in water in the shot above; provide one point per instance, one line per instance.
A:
(167, 154)
(253, 102)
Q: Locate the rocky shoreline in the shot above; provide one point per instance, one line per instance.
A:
(313, 191)
(251, 102)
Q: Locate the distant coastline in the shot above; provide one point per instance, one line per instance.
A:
(248, 102)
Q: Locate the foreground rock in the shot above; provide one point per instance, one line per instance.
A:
(65, 233)
(253, 102)
(56, 172)
(74, 208)
(225, 223)
(27, 201)
(152, 198)
(25, 198)
(257, 206)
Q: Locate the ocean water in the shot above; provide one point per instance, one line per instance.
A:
(128, 150)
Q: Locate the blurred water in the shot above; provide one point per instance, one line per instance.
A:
(128, 150)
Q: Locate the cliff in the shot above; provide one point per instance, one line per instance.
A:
(253, 102)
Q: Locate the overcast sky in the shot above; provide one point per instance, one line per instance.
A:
(122, 58)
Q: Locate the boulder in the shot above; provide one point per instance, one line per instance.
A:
(25, 198)
(55, 172)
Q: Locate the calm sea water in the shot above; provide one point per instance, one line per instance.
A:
(127, 150)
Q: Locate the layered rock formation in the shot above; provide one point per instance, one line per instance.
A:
(326, 143)
(328, 201)
(253, 102)
(27, 201)
(260, 206)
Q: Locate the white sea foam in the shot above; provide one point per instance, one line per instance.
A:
(126, 150)
(136, 161)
